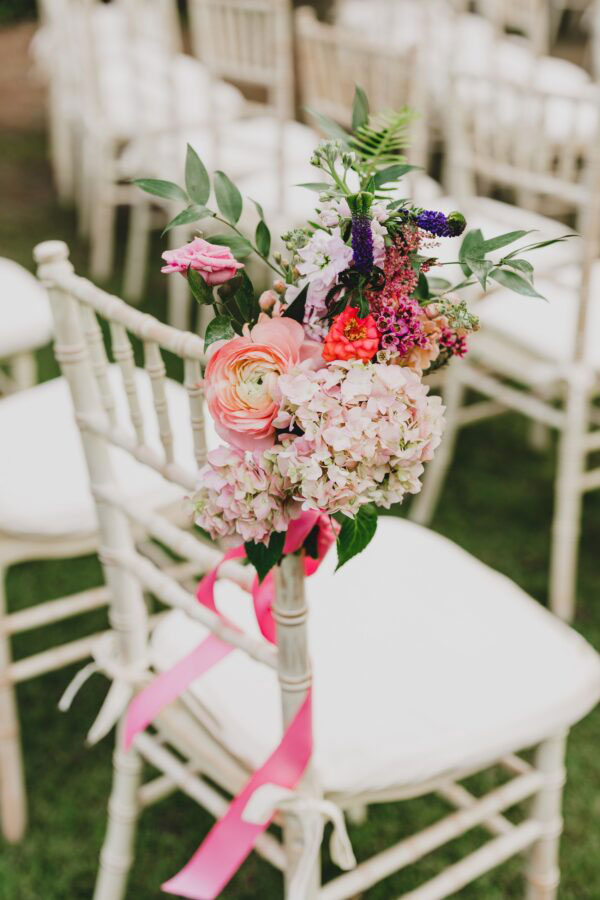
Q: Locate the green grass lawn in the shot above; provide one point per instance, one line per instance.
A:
(497, 504)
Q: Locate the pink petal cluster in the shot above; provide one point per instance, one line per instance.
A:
(214, 263)
(242, 494)
(241, 379)
(367, 430)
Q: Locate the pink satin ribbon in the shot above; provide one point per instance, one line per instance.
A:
(231, 839)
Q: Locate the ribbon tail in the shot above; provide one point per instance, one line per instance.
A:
(115, 702)
(232, 838)
(168, 686)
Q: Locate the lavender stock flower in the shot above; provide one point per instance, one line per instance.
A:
(362, 243)
(437, 223)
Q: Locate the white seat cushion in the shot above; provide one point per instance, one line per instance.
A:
(425, 661)
(25, 317)
(46, 489)
(493, 218)
(545, 328)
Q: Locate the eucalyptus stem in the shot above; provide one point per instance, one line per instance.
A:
(277, 271)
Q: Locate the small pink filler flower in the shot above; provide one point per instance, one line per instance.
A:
(241, 380)
(214, 263)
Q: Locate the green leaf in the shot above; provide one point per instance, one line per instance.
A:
(355, 533)
(188, 215)
(218, 329)
(391, 173)
(237, 295)
(438, 284)
(522, 265)
(328, 126)
(197, 181)
(259, 208)
(317, 186)
(515, 282)
(296, 308)
(263, 238)
(480, 268)
(199, 288)
(360, 108)
(239, 246)
(229, 199)
(381, 141)
(264, 556)
(167, 189)
(422, 289)
(502, 240)
(471, 246)
(539, 245)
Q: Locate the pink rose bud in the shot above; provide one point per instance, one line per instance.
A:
(279, 287)
(267, 300)
(214, 263)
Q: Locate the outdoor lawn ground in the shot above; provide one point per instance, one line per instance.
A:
(497, 505)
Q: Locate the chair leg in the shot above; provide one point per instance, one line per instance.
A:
(24, 370)
(567, 504)
(423, 506)
(116, 855)
(542, 872)
(178, 292)
(102, 224)
(136, 255)
(13, 801)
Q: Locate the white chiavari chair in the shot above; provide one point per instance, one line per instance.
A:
(412, 690)
(25, 325)
(46, 511)
(533, 354)
(529, 18)
(332, 59)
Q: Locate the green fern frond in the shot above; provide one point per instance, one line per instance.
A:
(382, 139)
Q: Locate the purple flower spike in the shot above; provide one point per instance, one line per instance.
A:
(362, 243)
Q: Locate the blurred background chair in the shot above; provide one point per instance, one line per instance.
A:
(226, 725)
(46, 510)
(544, 146)
(25, 325)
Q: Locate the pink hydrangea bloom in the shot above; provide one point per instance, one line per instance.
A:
(242, 495)
(367, 430)
(214, 263)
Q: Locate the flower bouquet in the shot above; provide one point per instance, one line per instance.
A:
(317, 385)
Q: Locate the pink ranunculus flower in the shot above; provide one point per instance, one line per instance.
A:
(241, 379)
(214, 263)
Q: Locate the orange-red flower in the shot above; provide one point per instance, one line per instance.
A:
(350, 337)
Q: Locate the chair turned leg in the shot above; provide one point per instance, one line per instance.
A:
(566, 522)
(542, 872)
(423, 506)
(13, 801)
(102, 224)
(136, 255)
(116, 855)
(178, 292)
(24, 370)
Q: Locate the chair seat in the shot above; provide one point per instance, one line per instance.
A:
(544, 328)
(420, 669)
(25, 317)
(493, 218)
(47, 492)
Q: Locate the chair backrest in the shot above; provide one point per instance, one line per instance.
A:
(77, 305)
(249, 42)
(539, 145)
(529, 18)
(594, 27)
(333, 59)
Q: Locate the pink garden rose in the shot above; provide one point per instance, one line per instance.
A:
(241, 379)
(216, 264)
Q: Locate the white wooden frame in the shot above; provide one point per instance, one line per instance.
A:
(128, 573)
(573, 181)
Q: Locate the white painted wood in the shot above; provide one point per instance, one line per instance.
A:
(13, 808)
(519, 147)
(542, 872)
(198, 749)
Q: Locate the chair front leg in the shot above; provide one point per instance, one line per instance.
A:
(13, 800)
(568, 501)
(424, 504)
(542, 873)
(116, 855)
